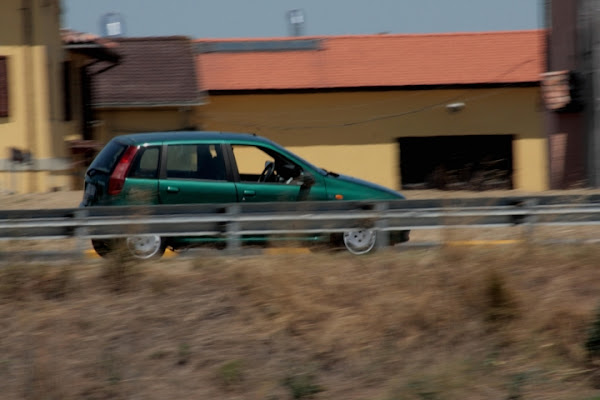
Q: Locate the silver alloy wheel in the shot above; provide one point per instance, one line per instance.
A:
(360, 241)
(145, 247)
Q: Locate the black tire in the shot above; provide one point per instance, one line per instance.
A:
(102, 247)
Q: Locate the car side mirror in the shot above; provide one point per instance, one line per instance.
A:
(307, 180)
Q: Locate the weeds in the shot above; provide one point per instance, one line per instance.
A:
(111, 367)
(515, 388)
(120, 271)
(230, 374)
(423, 390)
(302, 386)
(20, 281)
(592, 344)
(183, 354)
(501, 302)
(159, 355)
(43, 382)
(14, 282)
(55, 283)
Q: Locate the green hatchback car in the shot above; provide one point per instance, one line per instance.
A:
(215, 167)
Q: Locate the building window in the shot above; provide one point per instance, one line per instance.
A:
(471, 162)
(3, 87)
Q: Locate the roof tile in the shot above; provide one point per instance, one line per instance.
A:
(379, 60)
(153, 71)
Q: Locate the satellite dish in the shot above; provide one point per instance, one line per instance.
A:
(112, 25)
(296, 21)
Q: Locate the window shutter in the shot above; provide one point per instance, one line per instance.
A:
(3, 87)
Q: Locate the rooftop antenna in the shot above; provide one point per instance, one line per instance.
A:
(296, 21)
(112, 24)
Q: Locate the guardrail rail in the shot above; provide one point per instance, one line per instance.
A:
(235, 220)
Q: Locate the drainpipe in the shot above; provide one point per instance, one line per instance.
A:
(30, 109)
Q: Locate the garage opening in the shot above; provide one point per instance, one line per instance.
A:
(478, 162)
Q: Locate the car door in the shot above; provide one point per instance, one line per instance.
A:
(263, 174)
(195, 173)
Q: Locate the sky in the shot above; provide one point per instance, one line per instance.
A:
(268, 18)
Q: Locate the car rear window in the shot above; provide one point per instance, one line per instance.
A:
(108, 157)
(145, 165)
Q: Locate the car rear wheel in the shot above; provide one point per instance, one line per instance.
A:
(102, 247)
(360, 241)
(144, 247)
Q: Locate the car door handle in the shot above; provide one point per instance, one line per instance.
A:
(249, 193)
(172, 189)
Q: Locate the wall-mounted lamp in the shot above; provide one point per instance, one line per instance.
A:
(455, 107)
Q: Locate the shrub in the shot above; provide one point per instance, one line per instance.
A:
(302, 386)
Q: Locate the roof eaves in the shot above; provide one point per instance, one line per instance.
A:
(408, 86)
(96, 51)
(150, 104)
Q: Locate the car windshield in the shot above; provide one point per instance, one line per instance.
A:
(285, 151)
(106, 160)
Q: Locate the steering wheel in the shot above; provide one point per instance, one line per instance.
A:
(267, 172)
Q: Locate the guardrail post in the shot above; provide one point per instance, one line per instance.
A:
(81, 231)
(530, 219)
(233, 229)
(383, 236)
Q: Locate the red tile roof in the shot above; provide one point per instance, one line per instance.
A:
(375, 61)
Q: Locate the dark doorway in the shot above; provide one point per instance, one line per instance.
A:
(478, 162)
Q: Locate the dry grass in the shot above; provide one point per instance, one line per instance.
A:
(421, 324)
(503, 322)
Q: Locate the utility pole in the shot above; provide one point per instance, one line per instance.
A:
(588, 52)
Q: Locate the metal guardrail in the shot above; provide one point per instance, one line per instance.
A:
(231, 221)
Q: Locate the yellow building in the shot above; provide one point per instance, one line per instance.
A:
(36, 116)
(453, 111)
(31, 55)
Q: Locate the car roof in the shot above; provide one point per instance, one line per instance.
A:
(159, 137)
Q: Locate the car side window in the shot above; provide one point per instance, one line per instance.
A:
(145, 165)
(260, 164)
(195, 161)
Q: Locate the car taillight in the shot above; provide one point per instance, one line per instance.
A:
(117, 179)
